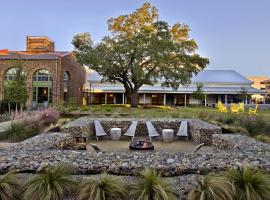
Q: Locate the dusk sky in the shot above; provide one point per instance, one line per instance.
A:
(233, 34)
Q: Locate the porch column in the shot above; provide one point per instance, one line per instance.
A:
(164, 100)
(226, 99)
(185, 100)
(123, 98)
(205, 100)
(264, 99)
(174, 99)
(143, 98)
(114, 99)
(105, 98)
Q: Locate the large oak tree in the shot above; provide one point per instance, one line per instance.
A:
(142, 50)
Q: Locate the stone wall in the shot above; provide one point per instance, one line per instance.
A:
(199, 131)
(202, 132)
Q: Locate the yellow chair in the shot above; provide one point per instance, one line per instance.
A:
(253, 111)
(234, 108)
(241, 107)
(221, 107)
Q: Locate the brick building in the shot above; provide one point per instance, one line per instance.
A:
(52, 76)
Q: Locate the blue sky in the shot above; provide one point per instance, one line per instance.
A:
(233, 34)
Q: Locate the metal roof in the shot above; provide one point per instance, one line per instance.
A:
(220, 76)
(183, 89)
(206, 76)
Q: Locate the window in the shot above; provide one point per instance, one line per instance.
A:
(11, 74)
(42, 75)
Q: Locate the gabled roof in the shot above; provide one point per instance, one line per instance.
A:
(206, 76)
(24, 55)
(220, 76)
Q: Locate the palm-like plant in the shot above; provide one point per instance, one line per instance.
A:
(9, 186)
(152, 187)
(51, 183)
(212, 187)
(104, 188)
(250, 184)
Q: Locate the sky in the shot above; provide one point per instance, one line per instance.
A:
(233, 34)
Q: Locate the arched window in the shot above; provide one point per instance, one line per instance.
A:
(11, 73)
(42, 75)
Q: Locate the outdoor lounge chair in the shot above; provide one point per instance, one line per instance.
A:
(183, 130)
(234, 108)
(131, 130)
(221, 107)
(152, 132)
(99, 129)
(241, 107)
(253, 111)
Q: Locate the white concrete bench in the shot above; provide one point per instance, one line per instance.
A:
(168, 135)
(115, 134)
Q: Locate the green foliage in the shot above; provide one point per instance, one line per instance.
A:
(199, 93)
(52, 183)
(105, 187)
(249, 184)
(142, 50)
(152, 187)
(212, 187)
(9, 186)
(19, 131)
(15, 91)
(263, 138)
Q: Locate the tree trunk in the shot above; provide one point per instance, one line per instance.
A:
(134, 99)
(16, 110)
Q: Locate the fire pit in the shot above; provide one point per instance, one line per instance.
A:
(141, 145)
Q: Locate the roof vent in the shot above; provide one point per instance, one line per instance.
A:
(39, 44)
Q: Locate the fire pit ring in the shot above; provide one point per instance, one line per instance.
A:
(141, 145)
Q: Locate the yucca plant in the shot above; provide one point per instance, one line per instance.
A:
(105, 187)
(9, 186)
(212, 187)
(152, 187)
(249, 183)
(51, 183)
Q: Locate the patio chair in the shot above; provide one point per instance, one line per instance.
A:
(241, 107)
(131, 130)
(99, 129)
(152, 132)
(234, 108)
(253, 111)
(221, 107)
(183, 130)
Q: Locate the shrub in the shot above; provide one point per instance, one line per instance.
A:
(104, 188)
(249, 183)
(18, 131)
(51, 183)
(9, 186)
(212, 187)
(152, 187)
(49, 116)
(229, 119)
(254, 125)
(263, 138)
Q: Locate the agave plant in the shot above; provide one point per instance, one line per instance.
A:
(51, 183)
(212, 187)
(152, 187)
(9, 186)
(104, 188)
(249, 183)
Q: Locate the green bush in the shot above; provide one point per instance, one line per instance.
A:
(52, 183)
(105, 187)
(10, 188)
(254, 125)
(18, 131)
(152, 187)
(212, 187)
(249, 183)
(263, 138)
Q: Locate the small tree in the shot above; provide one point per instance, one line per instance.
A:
(199, 93)
(15, 91)
(142, 50)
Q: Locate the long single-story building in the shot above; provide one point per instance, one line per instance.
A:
(52, 76)
(226, 85)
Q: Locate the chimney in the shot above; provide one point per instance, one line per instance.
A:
(39, 44)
